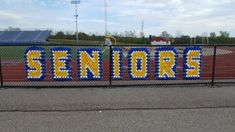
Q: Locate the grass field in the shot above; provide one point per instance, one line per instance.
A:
(17, 52)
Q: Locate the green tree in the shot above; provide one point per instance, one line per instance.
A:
(224, 34)
(165, 34)
(60, 35)
(13, 29)
(213, 38)
(213, 35)
(224, 37)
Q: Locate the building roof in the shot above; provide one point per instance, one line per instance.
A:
(158, 39)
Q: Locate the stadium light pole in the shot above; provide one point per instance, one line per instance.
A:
(106, 17)
(76, 2)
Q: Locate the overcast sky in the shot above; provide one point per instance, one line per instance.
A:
(187, 16)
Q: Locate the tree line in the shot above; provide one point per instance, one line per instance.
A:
(222, 38)
(126, 37)
(131, 37)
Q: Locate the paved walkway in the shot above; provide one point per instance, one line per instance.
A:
(174, 109)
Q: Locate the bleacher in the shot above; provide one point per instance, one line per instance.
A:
(23, 37)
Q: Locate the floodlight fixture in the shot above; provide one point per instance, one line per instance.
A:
(75, 2)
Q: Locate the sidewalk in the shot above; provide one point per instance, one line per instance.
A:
(116, 98)
(141, 109)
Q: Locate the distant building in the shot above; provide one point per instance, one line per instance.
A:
(160, 41)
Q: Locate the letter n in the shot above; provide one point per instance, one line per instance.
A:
(89, 64)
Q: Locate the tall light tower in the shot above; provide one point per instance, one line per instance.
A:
(108, 38)
(106, 17)
(76, 2)
(142, 29)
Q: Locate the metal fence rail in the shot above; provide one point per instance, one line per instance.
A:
(218, 66)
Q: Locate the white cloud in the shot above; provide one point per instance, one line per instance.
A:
(189, 16)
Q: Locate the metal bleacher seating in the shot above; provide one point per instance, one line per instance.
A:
(23, 37)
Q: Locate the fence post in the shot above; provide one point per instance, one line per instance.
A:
(214, 63)
(110, 65)
(1, 76)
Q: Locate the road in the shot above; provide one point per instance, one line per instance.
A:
(163, 109)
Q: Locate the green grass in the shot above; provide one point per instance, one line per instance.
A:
(17, 52)
(12, 53)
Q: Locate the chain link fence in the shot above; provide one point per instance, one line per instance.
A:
(225, 64)
(218, 66)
